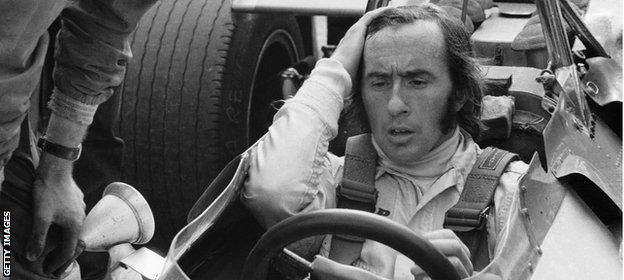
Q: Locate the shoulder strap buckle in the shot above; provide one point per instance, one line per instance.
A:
(478, 194)
(352, 198)
(462, 219)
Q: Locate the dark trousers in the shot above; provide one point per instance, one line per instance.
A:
(99, 165)
(16, 197)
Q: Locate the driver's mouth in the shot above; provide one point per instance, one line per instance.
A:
(399, 131)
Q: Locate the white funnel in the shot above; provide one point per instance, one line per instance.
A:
(121, 216)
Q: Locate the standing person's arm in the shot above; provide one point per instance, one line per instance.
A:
(23, 46)
(92, 51)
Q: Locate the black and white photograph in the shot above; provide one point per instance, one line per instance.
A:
(311, 139)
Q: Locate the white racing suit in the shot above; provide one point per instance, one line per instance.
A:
(291, 171)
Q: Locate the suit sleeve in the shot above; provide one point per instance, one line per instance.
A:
(91, 54)
(291, 170)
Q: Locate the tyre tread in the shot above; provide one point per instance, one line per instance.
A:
(156, 108)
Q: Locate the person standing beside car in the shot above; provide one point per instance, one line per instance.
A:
(421, 92)
(91, 53)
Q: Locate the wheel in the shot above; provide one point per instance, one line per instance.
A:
(192, 94)
(351, 222)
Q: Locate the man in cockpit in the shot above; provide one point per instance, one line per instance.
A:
(422, 94)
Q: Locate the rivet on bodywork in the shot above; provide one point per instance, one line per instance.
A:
(523, 188)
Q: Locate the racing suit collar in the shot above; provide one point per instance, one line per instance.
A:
(444, 167)
(432, 165)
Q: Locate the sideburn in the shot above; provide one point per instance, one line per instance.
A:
(449, 120)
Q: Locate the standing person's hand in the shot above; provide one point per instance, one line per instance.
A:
(451, 246)
(57, 201)
(349, 50)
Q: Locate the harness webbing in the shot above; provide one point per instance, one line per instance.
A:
(468, 217)
(356, 191)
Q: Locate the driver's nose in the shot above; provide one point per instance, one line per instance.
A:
(396, 103)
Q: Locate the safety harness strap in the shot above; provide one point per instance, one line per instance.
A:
(356, 191)
(478, 193)
(468, 217)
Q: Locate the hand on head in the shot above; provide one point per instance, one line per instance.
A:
(349, 50)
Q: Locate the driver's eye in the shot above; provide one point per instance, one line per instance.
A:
(418, 83)
(379, 84)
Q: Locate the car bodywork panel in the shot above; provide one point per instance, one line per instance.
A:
(578, 245)
(594, 152)
(603, 80)
(552, 234)
(221, 234)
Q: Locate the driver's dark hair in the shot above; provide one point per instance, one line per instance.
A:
(464, 70)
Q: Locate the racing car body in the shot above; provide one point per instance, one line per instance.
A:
(566, 222)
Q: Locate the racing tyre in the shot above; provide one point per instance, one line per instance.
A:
(197, 92)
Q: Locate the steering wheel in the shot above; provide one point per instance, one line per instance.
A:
(350, 222)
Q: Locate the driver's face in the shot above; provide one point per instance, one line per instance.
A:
(405, 86)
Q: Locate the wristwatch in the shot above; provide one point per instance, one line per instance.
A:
(59, 150)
